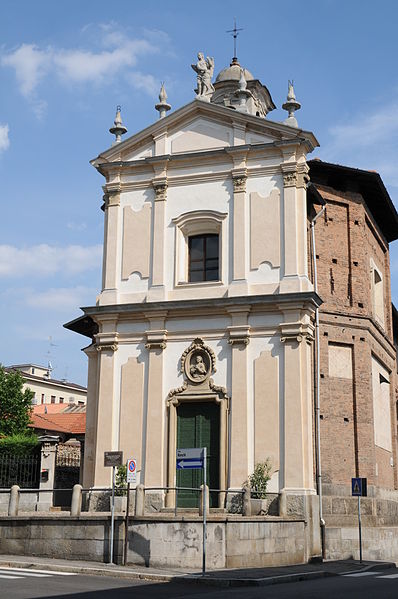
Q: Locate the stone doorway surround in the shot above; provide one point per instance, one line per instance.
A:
(198, 362)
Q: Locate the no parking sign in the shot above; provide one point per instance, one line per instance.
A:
(132, 471)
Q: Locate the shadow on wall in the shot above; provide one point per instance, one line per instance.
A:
(138, 545)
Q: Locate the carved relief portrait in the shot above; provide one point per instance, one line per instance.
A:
(198, 362)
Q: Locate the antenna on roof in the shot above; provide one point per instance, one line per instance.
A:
(49, 356)
(234, 32)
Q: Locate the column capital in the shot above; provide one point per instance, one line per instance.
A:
(106, 342)
(156, 339)
(296, 331)
(160, 186)
(239, 335)
(107, 347)
(239, 179)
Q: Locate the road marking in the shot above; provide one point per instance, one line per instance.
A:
(9, 577)
(33, 574)
(48, 572)
(389, 576)
(358, 574)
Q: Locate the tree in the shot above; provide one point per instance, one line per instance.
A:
(15, 404)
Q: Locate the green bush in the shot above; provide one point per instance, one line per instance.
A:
(258, 481)
(20, 444)
(121, 481)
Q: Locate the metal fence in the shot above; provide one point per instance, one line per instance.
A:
(19, 470)
(70, 460)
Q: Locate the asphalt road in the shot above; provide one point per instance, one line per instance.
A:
(19, 584)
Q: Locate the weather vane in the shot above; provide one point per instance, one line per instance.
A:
(234, 32)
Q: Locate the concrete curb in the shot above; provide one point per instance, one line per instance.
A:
(116, 571)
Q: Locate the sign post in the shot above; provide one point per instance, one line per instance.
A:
(112, 459)
(195, 458)
(359, 488)
(131, 477)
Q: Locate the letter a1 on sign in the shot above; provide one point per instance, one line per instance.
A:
(132, 471)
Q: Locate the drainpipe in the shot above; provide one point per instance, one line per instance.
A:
(317, 385)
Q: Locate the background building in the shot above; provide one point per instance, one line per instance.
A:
(48, 390)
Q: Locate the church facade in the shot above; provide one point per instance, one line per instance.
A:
(203, 333)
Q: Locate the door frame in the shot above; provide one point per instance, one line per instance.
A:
(173, 402)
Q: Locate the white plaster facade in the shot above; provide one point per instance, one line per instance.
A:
(47, 390)
(206, 168)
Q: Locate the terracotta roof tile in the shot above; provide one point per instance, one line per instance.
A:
(61, 423)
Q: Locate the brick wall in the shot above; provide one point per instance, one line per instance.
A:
(348, 242)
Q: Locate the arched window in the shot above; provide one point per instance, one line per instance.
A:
(198, 250)
(378, 295)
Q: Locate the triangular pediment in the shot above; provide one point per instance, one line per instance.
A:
(201, 126)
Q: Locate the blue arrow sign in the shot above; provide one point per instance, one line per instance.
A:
(189, 464)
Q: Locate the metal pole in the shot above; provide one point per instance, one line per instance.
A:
(204, 510)
(360, 529)
(126, 525)
(317, 389)
(112, 514)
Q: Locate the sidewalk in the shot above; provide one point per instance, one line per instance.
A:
(241, 577)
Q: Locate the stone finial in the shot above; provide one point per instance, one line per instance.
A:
(118, 129)
(291, 105)
(242, 92)
(162, 106)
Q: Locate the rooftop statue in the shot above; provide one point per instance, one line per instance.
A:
(204, 68)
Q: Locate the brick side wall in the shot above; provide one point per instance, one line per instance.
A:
(347, 239)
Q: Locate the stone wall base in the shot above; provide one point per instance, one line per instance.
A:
(378, 543)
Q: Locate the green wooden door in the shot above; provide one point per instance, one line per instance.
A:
(198, 425)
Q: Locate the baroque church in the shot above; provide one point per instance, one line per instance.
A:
(221, 324)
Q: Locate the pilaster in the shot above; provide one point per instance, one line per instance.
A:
(109, 293)
(239, 284)
(91, 417)
(295, 273)
(297, 460)
(106, 417)
(239, 451)
(156, 338)
(157, 290)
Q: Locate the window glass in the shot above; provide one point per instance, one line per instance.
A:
(203, 258)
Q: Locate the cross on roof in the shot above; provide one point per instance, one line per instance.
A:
(234, 32)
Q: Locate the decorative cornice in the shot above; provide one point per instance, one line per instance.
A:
(177, 391)
(221, 391)
(156, 339)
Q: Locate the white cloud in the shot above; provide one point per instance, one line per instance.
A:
(30, 64)
(147, 83)
(61, 298)
(45, 260)
(4, 139)
(368, 141)
(118, 54)
(367, 129)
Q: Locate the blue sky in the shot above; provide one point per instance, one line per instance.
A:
(64, 66)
